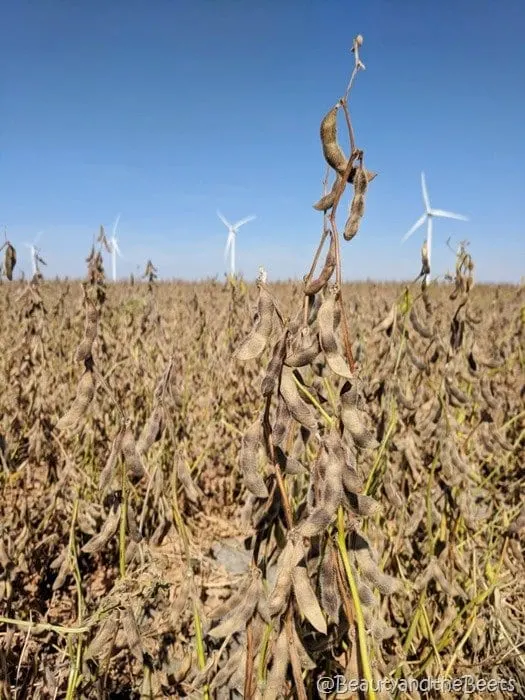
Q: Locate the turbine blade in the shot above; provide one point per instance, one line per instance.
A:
(243, 221)
(229, 241)
(426, 200)
(448, 214)
(115, 225)
(37, 237)
(415, 227)
(429, 242)
(221, 217)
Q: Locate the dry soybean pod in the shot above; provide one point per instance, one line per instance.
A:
(107, 473)
(327, 201)
(306, 352)
(317, 284)
(307, 600)
(332, 151)
(151, 429)
(326, 320)
(369, 569)
(85, 347)
(277, 674)
(296, 406)
(132, 633)
(253, 346)
(251, 443)
(100, 540)
(131, 456)
(290, 556)
(329, 590)
(423, 331)
(239, 617)
(9, 261)
(81, 403)
(273, 370)
(184, 476)
(282, 422)
(357, 206)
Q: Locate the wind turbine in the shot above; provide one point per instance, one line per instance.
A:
(428, 216)
(230, 242)
(34, 253)
(114, 249)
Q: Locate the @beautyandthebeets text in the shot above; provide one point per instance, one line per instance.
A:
(462, 684)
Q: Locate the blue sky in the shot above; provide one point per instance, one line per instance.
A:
(165, 111)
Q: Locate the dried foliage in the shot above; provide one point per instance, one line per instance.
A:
(210, 490)
(9, 259)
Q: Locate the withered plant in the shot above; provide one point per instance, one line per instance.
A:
(9, 258)
(311, 600)
(150, 274)
(141, 558)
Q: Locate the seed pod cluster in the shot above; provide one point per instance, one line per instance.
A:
(109, 528)
(85, 349)
(354, 418)
(368, 567)
(289, 558)
(153, 427)
(102, 239)
(9, 260)
(101, 644)
(240, 608)
(312, 433)
(304, 351)
(84, 354)
(423, 331)
(326, 487)
(357, 175)
(134, 452)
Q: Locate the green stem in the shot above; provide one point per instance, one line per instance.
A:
(361, 630)
(123, 523)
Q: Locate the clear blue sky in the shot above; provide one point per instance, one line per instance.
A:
(165, 111)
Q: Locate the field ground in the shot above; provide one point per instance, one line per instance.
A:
(124, 526)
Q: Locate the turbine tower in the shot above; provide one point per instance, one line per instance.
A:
(113, 242)
(33, 251)
(428, 216)
(230, 241)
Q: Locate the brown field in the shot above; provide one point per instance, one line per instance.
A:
(125, 526)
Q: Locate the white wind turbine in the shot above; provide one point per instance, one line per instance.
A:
(428, 216)
(230, 242)
(113, 243)
(34, 253)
